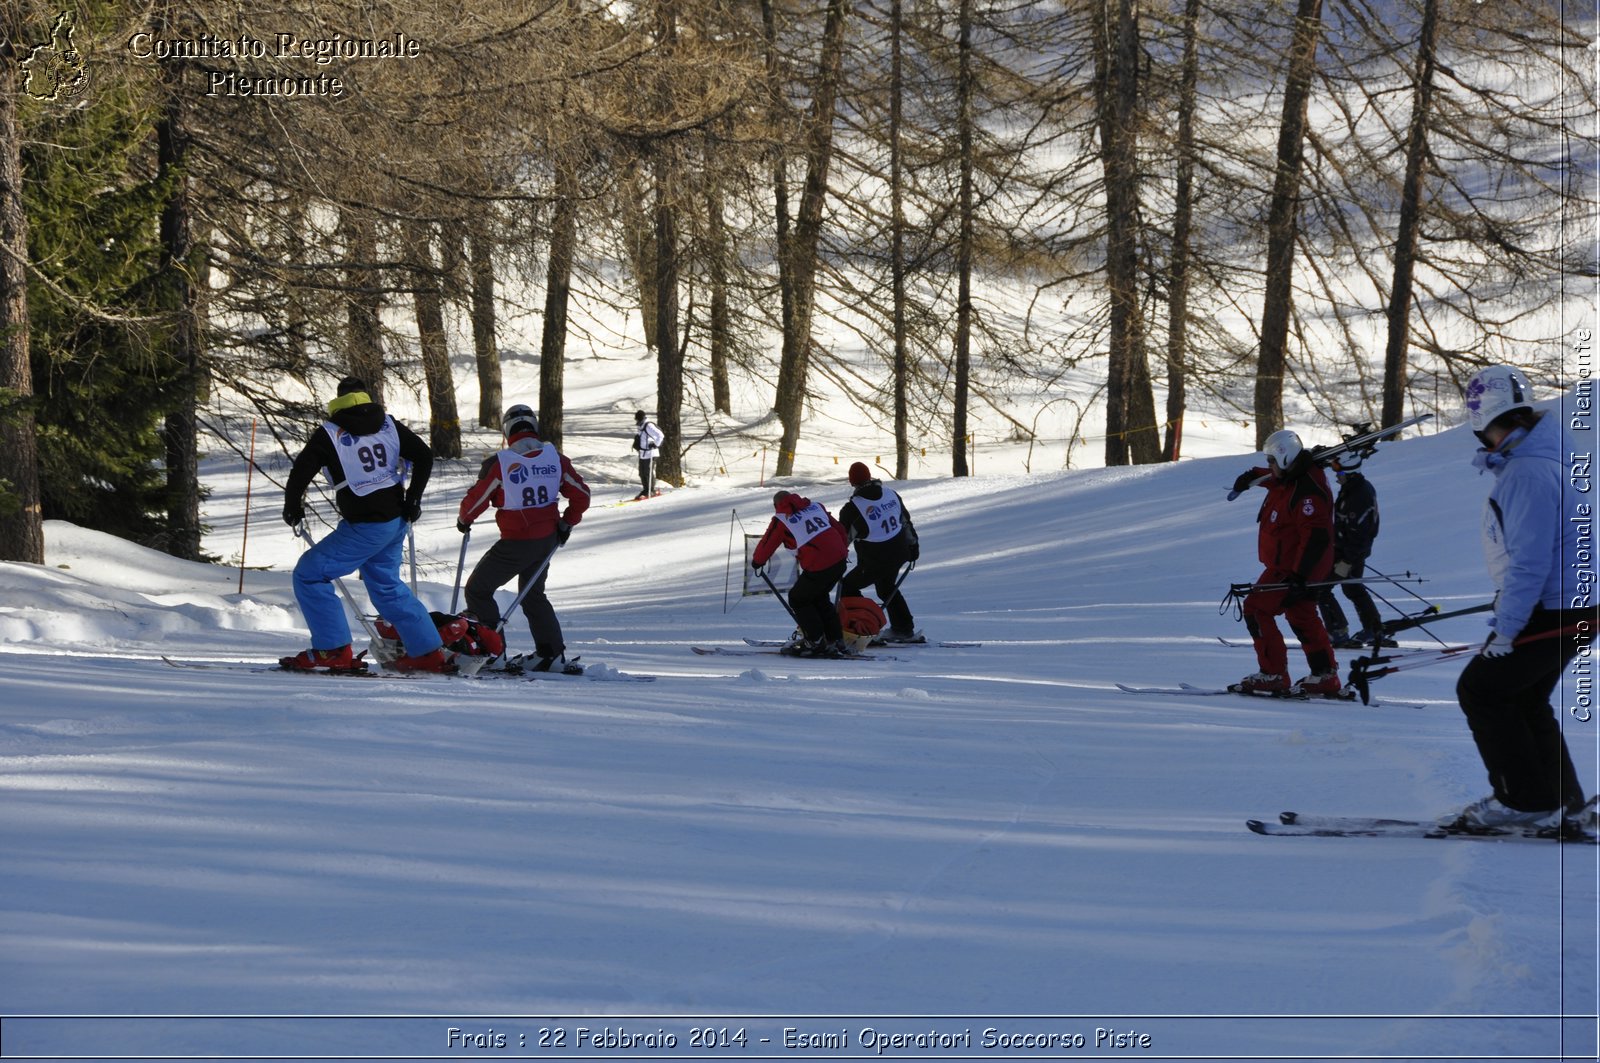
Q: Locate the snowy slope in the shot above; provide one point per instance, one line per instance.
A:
(972, 833)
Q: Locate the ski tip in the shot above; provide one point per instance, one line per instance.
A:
(1256, 825)
(1287, 818)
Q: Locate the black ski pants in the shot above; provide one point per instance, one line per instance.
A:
(879, 564)
(1333, 617)
(519, 559)
(811, 598)
(647, 476)
(1507, 704)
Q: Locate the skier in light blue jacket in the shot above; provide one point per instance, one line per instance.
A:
(1535, 523)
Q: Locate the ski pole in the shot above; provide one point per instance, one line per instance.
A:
(410, 541)
(899, 580)
(1428, 617)
(461, 563)
(1361, 672)
(338, 581)
(781, 599)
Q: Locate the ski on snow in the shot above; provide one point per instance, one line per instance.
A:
(599, 674)
(755, 649)
(1296, 824)
(1192, 691)
(878, 643)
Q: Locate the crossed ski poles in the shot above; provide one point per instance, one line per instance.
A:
(1238, 592)
(1362, 671)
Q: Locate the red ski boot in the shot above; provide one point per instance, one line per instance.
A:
(334, 660)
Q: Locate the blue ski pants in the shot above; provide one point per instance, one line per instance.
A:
(374, 551)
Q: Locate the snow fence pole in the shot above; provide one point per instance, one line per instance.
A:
(249, 481)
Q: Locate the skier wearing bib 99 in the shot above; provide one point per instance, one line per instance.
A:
(526, 483)
(1535, 521)
(1295, 543)
(877, 521)
(818, 541)
(363, 450)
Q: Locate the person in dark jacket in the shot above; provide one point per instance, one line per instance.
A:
(363, 451)
(1294, 542)
(1355, 527)
(877, 521)
(818, 541)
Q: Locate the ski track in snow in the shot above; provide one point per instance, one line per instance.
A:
(978, 831)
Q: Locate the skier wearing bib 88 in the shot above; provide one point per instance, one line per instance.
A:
(363, 450)
(1295, 543)
(526, 482)
(877, 521)
(818, 541)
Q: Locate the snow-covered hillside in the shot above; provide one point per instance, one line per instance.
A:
(949, 840)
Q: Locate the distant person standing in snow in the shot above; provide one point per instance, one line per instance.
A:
(647, 439)
(525, 482)
(818, 541)
(363, 451)
(1531, 533)
(1355, 527)
(1294, 541)
(878, 522)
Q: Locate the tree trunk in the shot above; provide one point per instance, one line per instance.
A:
(808, 234)
(1282, 221)
(1405, 243)
(364, 303)
(180, 433)
(669, 351)
(720, 338)
(778, 110)
(557, 295)
(21, 519)
(1182, 221)
(897, 240)
(444, 424)
(963, 351)
(1131, 429)
(485, 344)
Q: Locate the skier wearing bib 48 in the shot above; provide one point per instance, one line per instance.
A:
(877, 521)
(526, 483)
(363, 450)
(1534, 521)
(818, 541)
(1295, 543)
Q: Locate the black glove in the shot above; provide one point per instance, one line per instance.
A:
(563, 532)
(463, 527)
(293, 513)
(757, 566)
(1297, 590)
(1246, 480)
(411, 511)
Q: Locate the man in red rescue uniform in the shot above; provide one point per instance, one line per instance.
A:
(819, 544)
(1295, 543)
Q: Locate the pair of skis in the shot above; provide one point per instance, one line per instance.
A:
(1346, 695)
(1574, 829)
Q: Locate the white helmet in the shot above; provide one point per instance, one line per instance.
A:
(1496, 390)
(519, 419)
(1282, 446)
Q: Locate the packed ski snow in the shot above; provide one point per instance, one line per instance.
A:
(822, 858)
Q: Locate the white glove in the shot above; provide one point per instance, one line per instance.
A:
(1497, 646)
(1341, 569)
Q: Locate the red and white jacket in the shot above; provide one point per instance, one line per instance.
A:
(538, 477)
(1295, 536)
(816, 548)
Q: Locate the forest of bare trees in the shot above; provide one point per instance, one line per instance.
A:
(1350, 202)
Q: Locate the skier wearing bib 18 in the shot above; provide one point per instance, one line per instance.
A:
(526, 482)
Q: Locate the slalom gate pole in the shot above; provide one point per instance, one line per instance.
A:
(249, 481)
(781, 599)
(461, 563)
(338, 581)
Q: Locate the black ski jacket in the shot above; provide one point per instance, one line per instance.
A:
(380, 506)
